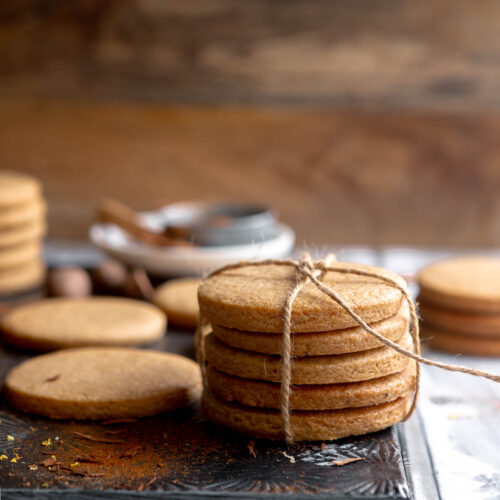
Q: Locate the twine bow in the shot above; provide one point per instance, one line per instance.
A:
(307, 270)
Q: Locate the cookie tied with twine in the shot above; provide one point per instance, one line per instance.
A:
(285, 296)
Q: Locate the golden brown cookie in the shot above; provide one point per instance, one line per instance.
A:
(313, 397)
(466, 284)
(474, 345)
(17, 235)
(76, 322)
(179, 299)
(20, 254)
(317, 344)
(252, 298)
(17, 188)
(487, 325)
(323, 425)
(307, 370)
(22, 213)
(103, 383)
(22, 277)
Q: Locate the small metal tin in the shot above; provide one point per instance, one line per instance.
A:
(219, 224)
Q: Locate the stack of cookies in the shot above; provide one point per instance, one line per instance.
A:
(22, 227)
(460, 305)
(345, 382)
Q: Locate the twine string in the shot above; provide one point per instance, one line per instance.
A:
(286, 350)
(305, 270)
(308, 270)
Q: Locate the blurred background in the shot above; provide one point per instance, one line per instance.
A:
(361, 122)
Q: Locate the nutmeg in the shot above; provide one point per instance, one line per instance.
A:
(69, 282)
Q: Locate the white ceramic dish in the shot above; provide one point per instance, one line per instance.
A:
(184, 261)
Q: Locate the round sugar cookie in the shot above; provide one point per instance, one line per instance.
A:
(466, 284)
(313, 397)
(17, 188)
(323, 425)
(487, 325)
(16, 235)
(20, 254)
(317, 344)
(23, 213)
(308, 370)
(103, 383)
(251, 298)
(59, 323)
(473, 345)
(22, 277)
(179, 299)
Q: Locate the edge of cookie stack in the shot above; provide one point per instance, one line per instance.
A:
(345, 382)
(459, 303)
(22, 228)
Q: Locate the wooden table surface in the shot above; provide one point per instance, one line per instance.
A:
(448, 450)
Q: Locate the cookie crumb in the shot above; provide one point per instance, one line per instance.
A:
(340, 463)
(250, 447)
(285, 454)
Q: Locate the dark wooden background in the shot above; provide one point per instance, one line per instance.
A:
(368, 121)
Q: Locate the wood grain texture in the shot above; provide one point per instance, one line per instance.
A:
(336, 176)
(375, 53)
(332, 141)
